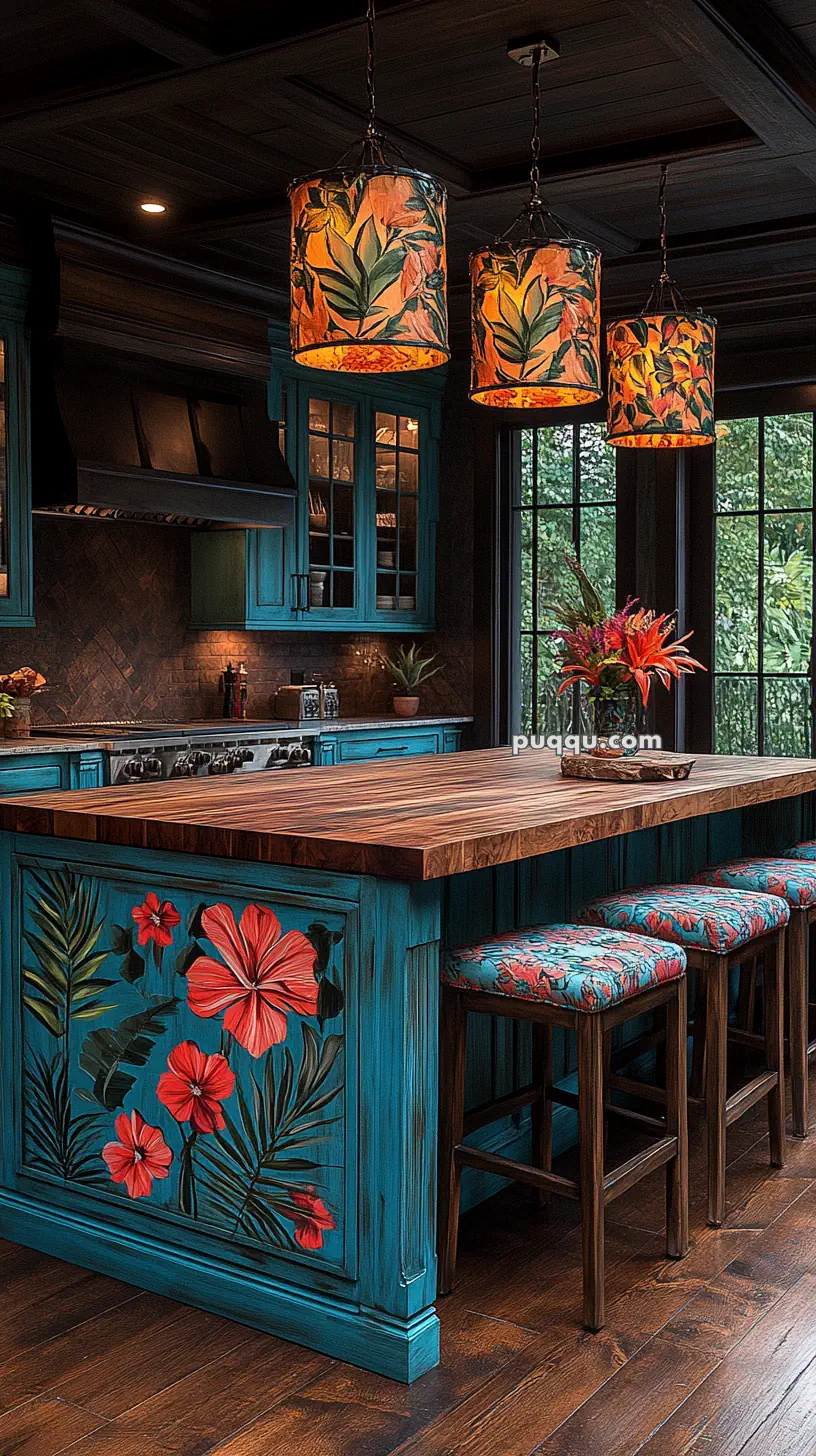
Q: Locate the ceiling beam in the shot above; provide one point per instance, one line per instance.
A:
(336, 45)
(159, 36)
(748, 59)
(230, 220)
(777, 233)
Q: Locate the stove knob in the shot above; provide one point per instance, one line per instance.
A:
(181, 767)
(152, 768)
(245, 755)
(202, 759)
(133, 768)
(219, 764)
(277, 754)
(298, 754)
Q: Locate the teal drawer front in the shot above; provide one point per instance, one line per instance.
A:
(358, 746)
(26, 778)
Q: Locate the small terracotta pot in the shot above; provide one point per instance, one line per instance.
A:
(406, 707)
(19, 724)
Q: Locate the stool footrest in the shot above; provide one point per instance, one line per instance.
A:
(488, 1112)
(752, 1092)
(520, 1172)
(637, 1089)
(622, 1178)
(570, 1099)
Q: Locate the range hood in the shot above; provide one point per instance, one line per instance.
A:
(116, 436)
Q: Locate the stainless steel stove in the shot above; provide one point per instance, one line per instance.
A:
(147, 752)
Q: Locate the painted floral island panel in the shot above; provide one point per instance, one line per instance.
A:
(186, 1056)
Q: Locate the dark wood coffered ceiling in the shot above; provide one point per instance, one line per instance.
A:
(214, 106)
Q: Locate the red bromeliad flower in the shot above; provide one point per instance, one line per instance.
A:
(312, 1221)
(645, 650)
(265, 975)
(140, 1155)
(195, 1087)
(156, 919)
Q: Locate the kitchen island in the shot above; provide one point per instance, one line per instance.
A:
(219, 1004)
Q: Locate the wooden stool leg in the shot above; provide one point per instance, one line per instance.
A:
(716, 1090)
(796, 955)
(697, 1080)
(590, 1121)
(677, 1183)
(775, 1047)
(542, 1109)
(452, 1057)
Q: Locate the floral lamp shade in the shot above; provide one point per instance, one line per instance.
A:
(661, 380)
(535, 323)
(368, 272)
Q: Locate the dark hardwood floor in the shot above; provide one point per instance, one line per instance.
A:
(714, 1356)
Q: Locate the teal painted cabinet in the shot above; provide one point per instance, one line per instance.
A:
(407, 742)
(361, 553)
(16, 589)
(30, 773)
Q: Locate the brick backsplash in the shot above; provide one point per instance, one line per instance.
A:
(111, 604)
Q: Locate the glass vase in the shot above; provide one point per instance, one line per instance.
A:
(615, 723)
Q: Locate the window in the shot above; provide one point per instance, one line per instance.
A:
(763, 585)
(566, 503)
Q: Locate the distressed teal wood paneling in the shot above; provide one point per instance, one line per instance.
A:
(17, 604)
(311, 1212)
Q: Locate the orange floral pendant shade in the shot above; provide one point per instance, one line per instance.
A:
(535, 323)
(661, 380)
(368, 271)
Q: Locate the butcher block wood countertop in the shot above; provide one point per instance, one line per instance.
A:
(411, 820)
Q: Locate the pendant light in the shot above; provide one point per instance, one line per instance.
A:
(368, 264)
(535, 302)
(661, 366)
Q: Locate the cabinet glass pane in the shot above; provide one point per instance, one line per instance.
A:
(397, 505)
(4, 579)
(332, 471)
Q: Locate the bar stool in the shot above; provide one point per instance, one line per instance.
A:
(589, 981)
(795, 881)
(718, 929)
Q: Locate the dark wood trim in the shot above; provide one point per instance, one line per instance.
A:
(756, 66)
(699, 724)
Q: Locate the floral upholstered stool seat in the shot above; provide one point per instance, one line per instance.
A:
(719, 929)
(587, 980)
(794, 879)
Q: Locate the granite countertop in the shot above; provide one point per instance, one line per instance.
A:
(409, 819)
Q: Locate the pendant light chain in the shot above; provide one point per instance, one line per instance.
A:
(664, 245)
(370, 60)
(535, 142)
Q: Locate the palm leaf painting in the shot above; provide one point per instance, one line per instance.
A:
(106, 1050)
(251, 1174)
(57, 1141)
(62, 982)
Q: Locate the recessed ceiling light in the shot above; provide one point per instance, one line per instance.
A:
(152, 207)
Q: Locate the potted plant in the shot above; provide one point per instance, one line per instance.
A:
(408, 670)
(616, 654)
(18, 688)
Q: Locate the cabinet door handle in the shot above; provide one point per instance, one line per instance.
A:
(397, 748)
(294, 591)
(305, 603)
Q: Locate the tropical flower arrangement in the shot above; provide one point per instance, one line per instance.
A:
(616, 654)
(24, 682)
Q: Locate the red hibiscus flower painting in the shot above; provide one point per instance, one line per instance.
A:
(195, 1086)
(140, 1155)
(263, 975)
(156, 919)
(313, 1219)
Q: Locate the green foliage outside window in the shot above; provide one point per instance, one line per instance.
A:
(567, 504)
(763, 584)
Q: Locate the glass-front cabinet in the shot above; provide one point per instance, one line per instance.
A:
(360, 555)
(16, 606)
